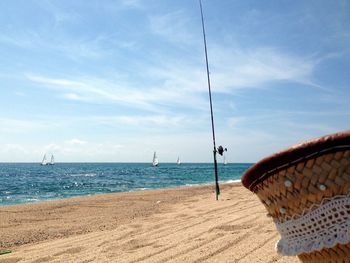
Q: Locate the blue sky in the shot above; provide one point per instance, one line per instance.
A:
(116, 80)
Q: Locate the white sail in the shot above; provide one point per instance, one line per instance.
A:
(52, 161)
(178, 161)
(44, 161)
(155, 160)
(225, 161)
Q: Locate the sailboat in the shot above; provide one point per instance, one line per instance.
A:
(178, 162)
(155, 160)
(52, 161)
(225, 161)
(44, 161)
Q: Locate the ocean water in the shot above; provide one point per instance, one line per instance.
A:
(31, 182)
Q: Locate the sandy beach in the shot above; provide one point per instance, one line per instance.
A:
(173, 225)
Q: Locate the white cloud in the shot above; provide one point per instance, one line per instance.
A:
(239, 68)
(76, 150)
(173, 27)
(8, 125)
(73, 96)
(183, 84)
(76, 141)
(93, 90)
(52, 148)
(9, 148)
(159, 120)
(234, 122)
(150, 98)
(72, 48)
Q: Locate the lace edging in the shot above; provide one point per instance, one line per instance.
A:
(323, 227)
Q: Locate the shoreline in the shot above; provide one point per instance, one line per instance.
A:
(183, 224)
(130, 191)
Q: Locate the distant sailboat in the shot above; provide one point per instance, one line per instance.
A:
(52, 161)
(225, 161)
(155, 160)
(44, 161)
(224, 155)
(178, 161)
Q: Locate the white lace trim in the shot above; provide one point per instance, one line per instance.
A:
(317, 228)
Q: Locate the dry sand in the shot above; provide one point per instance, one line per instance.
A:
(177, 225)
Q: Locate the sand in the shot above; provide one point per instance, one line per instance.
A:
(173, 225)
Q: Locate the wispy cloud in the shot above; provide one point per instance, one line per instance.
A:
(152, 98)
(145, 121)
(72, 48)
(93, 90)
(181, 83)
(20, 40)
(73, 96)
(79, 150)
(10, 125)
(253, 68)
(76, 141)
(173, 27)
(10, 148)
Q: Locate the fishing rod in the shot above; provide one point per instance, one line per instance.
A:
(217, 188)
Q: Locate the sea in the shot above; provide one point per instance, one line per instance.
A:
(31, 182)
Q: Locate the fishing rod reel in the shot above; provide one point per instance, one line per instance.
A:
(220, 150)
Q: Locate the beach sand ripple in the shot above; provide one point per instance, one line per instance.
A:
(177, 225)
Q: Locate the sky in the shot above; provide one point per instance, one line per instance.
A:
(116, 80)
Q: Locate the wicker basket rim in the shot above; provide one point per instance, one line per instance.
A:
(291, 156)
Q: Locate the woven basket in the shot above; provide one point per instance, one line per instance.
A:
(294, 182)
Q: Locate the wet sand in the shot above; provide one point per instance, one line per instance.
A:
(172, 225)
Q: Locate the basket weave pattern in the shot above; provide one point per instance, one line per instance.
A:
(290, 192)
(337, 254)
(331, 170)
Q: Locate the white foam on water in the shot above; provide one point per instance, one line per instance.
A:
(32, 199)
(83, 175)
(231, 181)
